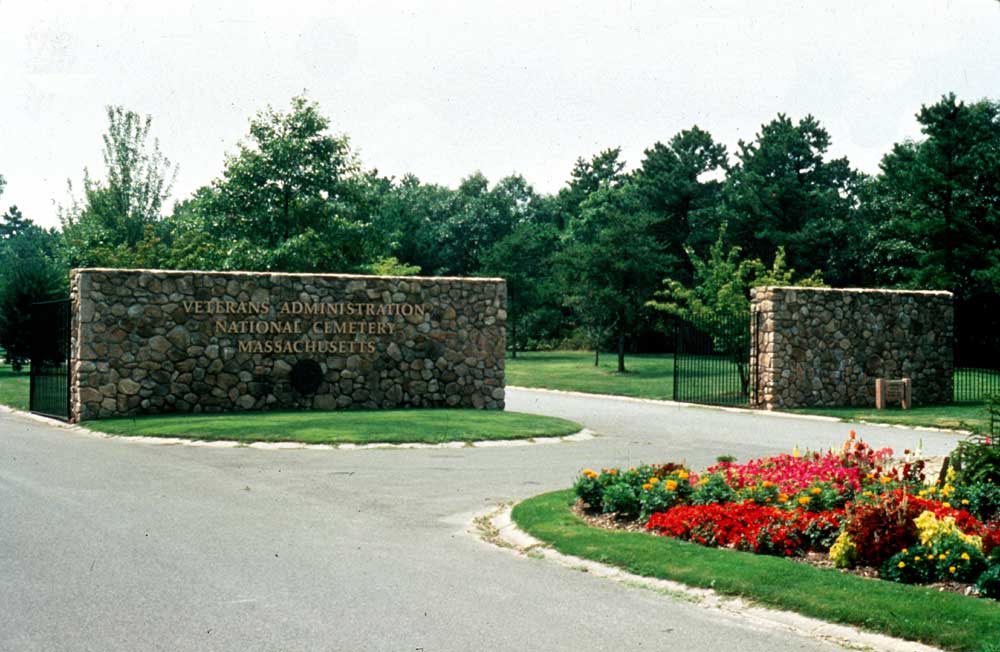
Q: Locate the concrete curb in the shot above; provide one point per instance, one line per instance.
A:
(496, 527)
(581, 435)
(735, 410)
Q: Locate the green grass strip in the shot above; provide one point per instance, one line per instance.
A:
(343, 427)
(649, 376)
(14, 388)
(958, 416)
(947, 620)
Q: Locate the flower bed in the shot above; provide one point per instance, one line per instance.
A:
(856, 507)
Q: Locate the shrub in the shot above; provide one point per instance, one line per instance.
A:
(914, 565)
(977, 459)
(843, 552)
(932, 531)
(881, 528)
(658, 497)
(957, 560)
(989, 582)
(589, 488)
(991, 540)
(981, 499)
(747, 526)
(621, 498)
(713, 489)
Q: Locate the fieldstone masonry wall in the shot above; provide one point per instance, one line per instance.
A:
(152, 341)
(819, 347)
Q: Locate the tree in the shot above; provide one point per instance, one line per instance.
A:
(939, 201)
(612, 263)
(784, 193)
(718, 299)
(119, 212)
(524, 259)
(291, 198)
(28, 273)
(672, 186)
(603, 170)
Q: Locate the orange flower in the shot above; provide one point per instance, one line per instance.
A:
(670, 485)
(683, 475)
(815, 490)
(782, 498)
(804, 500)
(647, 486)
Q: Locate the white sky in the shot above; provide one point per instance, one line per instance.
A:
(442, 89)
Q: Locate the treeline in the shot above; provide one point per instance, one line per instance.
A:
(600, 263)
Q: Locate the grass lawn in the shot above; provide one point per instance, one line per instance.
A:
(948, 620)
(649, 376)
(14, 388)
(964, 416)
(347, 427)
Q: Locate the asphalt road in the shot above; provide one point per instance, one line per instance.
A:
(108, 544)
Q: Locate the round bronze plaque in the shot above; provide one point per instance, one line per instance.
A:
(306, 376)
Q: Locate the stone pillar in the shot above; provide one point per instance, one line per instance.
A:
(822, 347)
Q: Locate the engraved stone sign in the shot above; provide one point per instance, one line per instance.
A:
(154, 341)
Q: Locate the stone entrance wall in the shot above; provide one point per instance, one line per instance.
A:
(152, 341)
(819, 347)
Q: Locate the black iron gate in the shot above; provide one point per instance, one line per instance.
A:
(50, 328)
(712, 361)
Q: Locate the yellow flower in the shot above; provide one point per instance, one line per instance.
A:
(703, 480)
(932, 490)
(946, 504)
(965, 556)
(922, 493)
(683, 475)
(647, 486)
(782, 498)
(951, 569)
(816, 490)
(885, 479)
(906, 550)
(670, 485)
(767, 484)
(916, 558)
(654, 480)
(965, 501)
(804, 500)
(942, 557)
(901, 564)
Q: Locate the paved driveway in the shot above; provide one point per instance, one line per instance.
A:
(107, 544)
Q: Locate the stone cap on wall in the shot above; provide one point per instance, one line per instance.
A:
(130, 270)
(798, 288)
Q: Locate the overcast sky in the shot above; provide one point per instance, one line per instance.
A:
(442, 89)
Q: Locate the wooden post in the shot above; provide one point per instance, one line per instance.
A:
(880, 394)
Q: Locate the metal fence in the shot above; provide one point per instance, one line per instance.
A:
(977, 354)
(712, 361)
(50, 328)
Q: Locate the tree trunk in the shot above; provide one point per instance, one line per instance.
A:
(621, 353)
(513, 339)
(597, 356)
